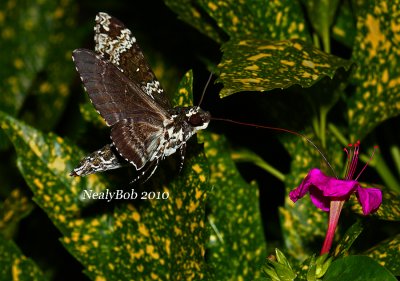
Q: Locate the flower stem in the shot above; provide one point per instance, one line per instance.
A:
(334, 213)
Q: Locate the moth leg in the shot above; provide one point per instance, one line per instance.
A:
(182, 151)
(152, 167)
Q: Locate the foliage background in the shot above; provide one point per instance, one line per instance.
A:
(240, 213)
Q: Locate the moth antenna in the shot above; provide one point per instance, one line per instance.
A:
(205, 88)
(282, 130)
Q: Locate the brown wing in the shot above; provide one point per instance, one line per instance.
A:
(137, 141)
(114, 95)
(116, 44)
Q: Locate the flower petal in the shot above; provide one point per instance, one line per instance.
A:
(332, 187)
(369, 198)
(301, 190)
(323, 189)
(319, 200)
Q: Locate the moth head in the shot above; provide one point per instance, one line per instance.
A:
(198, 118)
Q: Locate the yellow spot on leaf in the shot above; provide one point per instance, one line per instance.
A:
(178, 203)
(197, 168)
(375, 35)
(135, 216)
(83, 248)
(140, 268)
(196, 14)
(235, 20)
(143, 230)
(8, 33)
(62, 218)
(2, 17)
(58, 13)
(16, 271)
(215, 137)
(168, 246)
(177, 230)
(58, 164)
(193, 226)
(63, 89)
(202, 178)
(100, 278)
(86, 237)
(75, 236)
(183, 91)
(287, 62)
(308, 63)
(199, 193)
(150, 251)
(259, 56)
(45, 87)
(212, 6)
(252, 67)
(269, 47)
(385, 75)
(298, 46)
(35, 148)
(212, 152)
(193, 206)
(38, 183)
(338, 31)
(248, 80)
(18, 63)
(154, 276)
(94, 222)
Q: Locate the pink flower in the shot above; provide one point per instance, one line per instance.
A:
(329, 193)
(323, 189)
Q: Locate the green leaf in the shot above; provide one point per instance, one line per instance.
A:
(12, 210)
(342, 249)
(344, 27)
(377, 52)
(387, 254)
(263, 65)
(51, 88)
(25, 27)
(357, 268)
(190, 13)
(246, 155)
(45, 161)
(15, 266)
(90, 115)
(184, 94)
(36, 44)
(389, 210)
(23, 42)
(237, 245)
(258, 19)
(321, 14)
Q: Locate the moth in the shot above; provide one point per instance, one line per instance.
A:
(145, 128)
